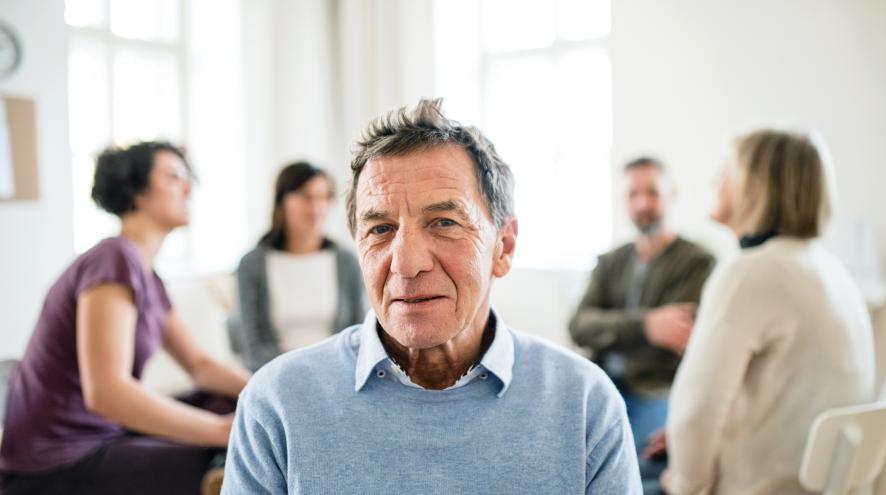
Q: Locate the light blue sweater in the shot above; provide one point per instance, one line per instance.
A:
(306, 424)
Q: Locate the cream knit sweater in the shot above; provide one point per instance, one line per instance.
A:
(782, 335)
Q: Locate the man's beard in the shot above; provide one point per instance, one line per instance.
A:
(651, 228)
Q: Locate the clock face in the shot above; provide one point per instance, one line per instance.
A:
(10, 51)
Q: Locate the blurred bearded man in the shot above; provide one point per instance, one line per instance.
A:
(639, 308)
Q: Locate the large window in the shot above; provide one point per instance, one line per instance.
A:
(535, 76)
(125, 84)
(157, 69)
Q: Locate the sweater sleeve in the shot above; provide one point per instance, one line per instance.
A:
(257, 339)
(599, 328)
(612, 459)
(689, 288)
(253, 463)
(709, 379)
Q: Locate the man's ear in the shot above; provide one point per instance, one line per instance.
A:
(505, 245)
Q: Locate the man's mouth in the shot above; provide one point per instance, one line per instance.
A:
(417, 299)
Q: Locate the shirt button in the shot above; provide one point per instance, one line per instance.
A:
(484, 376)
(380, 373)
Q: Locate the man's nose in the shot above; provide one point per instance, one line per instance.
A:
(641, 202)
(411, 253)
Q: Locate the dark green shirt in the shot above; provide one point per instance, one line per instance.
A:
(603, 324)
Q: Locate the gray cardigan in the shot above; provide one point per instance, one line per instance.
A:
(252, 333)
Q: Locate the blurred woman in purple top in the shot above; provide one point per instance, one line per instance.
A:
(77, 418)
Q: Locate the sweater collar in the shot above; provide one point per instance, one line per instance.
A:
(750, 241)
(498, 359)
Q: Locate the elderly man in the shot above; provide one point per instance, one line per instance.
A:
(639, 309)
(432, 393)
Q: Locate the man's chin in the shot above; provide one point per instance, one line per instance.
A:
(413, 333)
(650, 229)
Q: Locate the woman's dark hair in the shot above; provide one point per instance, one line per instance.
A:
(122, 173)
(292, 178)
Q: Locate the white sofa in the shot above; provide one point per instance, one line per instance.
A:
(203, 304)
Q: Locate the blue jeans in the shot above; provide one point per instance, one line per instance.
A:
(645, 415)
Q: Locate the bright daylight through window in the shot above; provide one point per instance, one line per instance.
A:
(536, 76)
(124, 85)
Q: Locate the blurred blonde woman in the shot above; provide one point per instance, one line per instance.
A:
(782, 333)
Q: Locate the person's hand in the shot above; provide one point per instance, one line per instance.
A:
(221, 430)
(665, 480)
(670, 326)
(657, 445)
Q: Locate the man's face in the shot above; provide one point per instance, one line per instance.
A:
(427, 245)
(647, 194)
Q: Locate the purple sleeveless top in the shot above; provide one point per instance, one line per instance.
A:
(47, 424)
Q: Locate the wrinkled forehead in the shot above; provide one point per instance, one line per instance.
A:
(439, 173)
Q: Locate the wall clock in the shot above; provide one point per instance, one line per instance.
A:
(10, 50)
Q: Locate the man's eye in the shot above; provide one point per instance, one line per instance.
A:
(446, 222)
(380, 229)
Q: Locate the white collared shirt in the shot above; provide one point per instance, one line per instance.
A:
(373, 359)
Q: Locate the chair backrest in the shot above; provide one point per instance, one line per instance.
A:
(7, 366)
(846, 448)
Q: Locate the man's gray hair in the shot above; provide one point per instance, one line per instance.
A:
(406, 130)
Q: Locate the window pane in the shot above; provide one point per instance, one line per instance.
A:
(583, 19)
(583, 211)
(520, 104)
(91, 223)
(147, 101)
(152, 20)
(88, 95)
(517, 24)
(520, 115)
(86, 13)
(457, 53)
(549, 113)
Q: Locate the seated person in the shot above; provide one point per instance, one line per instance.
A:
(296, 287)
(782, 335)
(77, 419)
(639, 308)
(432, 393)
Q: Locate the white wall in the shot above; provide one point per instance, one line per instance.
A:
(37, 236)
(688, 73)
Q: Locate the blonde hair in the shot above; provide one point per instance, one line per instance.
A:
(784, 184)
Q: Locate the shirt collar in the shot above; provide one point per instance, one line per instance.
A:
(498, 359)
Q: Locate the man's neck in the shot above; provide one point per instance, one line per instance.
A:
(440, 367)
(649, 247)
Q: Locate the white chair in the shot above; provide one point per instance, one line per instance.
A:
(846, 449)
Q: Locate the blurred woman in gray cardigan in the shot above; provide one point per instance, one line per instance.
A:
(296, 287)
